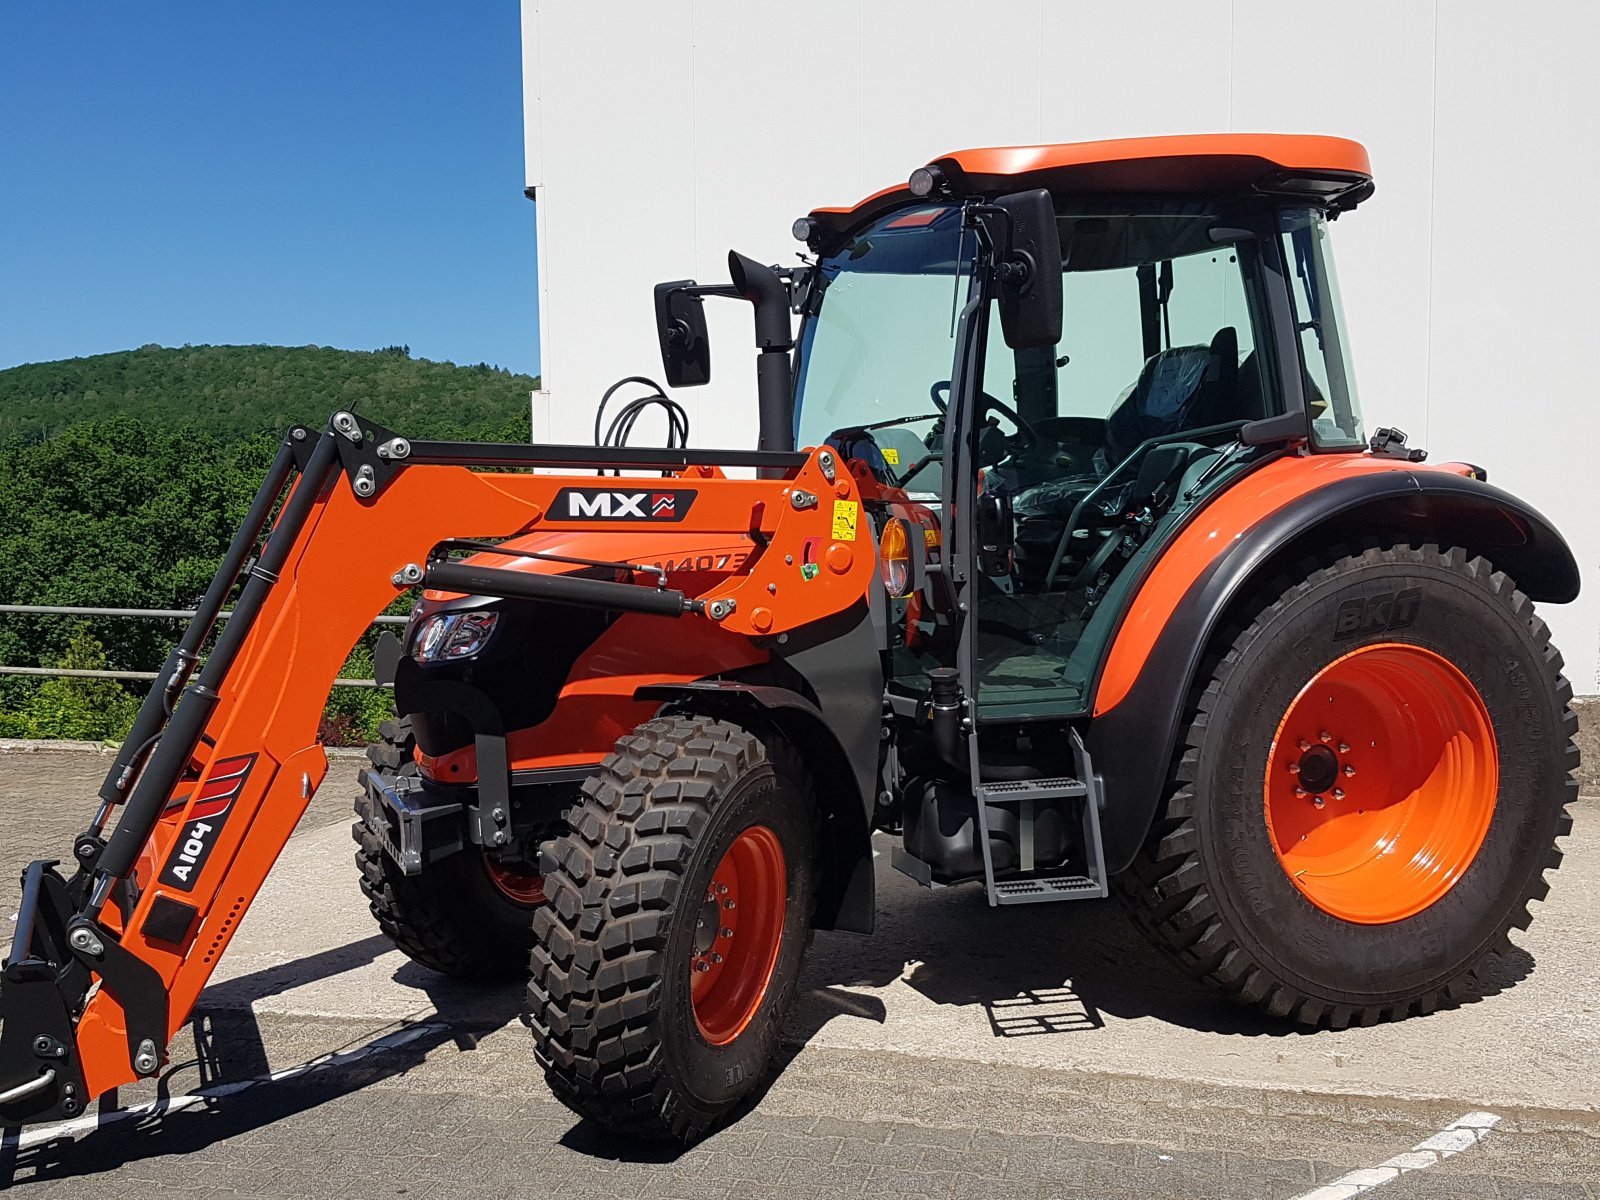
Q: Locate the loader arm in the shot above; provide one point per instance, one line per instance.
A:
(106, 967)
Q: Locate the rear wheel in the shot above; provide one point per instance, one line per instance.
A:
(469, 915)
(1369, 791)
(680, 908)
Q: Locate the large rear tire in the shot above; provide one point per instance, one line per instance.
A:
(466, 916)
(1368, 794)
(680, 909)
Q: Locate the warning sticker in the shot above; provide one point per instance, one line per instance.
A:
(890, 455)
(844, 520)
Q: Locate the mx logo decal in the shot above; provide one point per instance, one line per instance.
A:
(610, 504)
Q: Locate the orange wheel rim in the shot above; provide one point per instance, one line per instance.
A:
(517, 886)
(737, 934)
(1381, 783)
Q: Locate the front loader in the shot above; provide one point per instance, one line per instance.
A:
(1089, 579)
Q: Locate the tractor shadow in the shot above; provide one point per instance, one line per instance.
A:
(1034, 970)
(224, 1049)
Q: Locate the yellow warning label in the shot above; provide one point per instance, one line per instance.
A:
(930, 537)
(844, 520)
(891, 456)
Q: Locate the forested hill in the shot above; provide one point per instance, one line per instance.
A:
(234, 391)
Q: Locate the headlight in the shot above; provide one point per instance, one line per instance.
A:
(444, 637)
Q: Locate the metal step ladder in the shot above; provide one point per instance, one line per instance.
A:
(1026, 794)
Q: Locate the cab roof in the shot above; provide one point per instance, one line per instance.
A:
(1324, 170)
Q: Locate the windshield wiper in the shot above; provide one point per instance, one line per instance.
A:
(885, 424)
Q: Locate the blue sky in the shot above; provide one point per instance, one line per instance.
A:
(345, 174)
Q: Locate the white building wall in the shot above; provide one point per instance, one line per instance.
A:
(661, 133)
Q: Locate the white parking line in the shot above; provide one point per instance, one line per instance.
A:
(1461, 1134)
(38, 1135)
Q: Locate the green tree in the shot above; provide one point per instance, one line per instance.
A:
(227, 392)
(101, 507)
(74, 707)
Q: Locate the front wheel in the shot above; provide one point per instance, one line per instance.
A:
(680, 907)
(1370, 790)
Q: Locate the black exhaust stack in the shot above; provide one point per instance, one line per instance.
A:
(774, 387)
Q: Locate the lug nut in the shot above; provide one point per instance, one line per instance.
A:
(1344, 747)
(1338, 793)
(1304, 745)
(1325, 736)
(1318, 801)
(725, 932)
(1349, 770)
(1300, 792)
(1294, 768)
(715, 957)
(701, 964)
(728, 904)
(722, 889)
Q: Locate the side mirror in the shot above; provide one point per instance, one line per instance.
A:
(681, 328)
(996, 534)
(1030, 270)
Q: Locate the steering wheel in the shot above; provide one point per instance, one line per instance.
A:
(1025, 437)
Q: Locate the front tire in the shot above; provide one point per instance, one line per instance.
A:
(1369, 792)
(680, 909)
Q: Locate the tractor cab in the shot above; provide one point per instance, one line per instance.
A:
(1191, 329)
(1188, 318)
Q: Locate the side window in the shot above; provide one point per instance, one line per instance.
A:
(1152, 348)
(1324, 354)
(1100, 341)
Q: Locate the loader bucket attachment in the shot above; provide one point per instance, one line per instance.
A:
(105, 964)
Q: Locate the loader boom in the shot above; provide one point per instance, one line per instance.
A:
(223, 768)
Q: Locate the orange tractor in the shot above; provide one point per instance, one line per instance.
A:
(1088, 578)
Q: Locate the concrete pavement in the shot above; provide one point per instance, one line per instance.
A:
(957, 1051)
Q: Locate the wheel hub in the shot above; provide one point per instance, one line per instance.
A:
(737, 932)
(1319, 769)
(1381, 782)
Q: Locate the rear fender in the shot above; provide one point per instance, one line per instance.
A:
(845, 894)
(1242, 540)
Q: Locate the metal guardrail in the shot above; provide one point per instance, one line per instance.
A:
(67, 610)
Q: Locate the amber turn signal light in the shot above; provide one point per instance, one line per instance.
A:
(894, 557)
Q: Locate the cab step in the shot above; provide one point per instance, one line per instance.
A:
(1059, 887)
(1027, 794)
(1032, 789)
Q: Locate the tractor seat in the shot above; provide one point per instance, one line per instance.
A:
(1184, 387)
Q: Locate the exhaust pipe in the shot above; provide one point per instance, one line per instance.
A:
(774, 386)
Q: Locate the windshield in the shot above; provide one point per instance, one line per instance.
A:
(875, 360)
